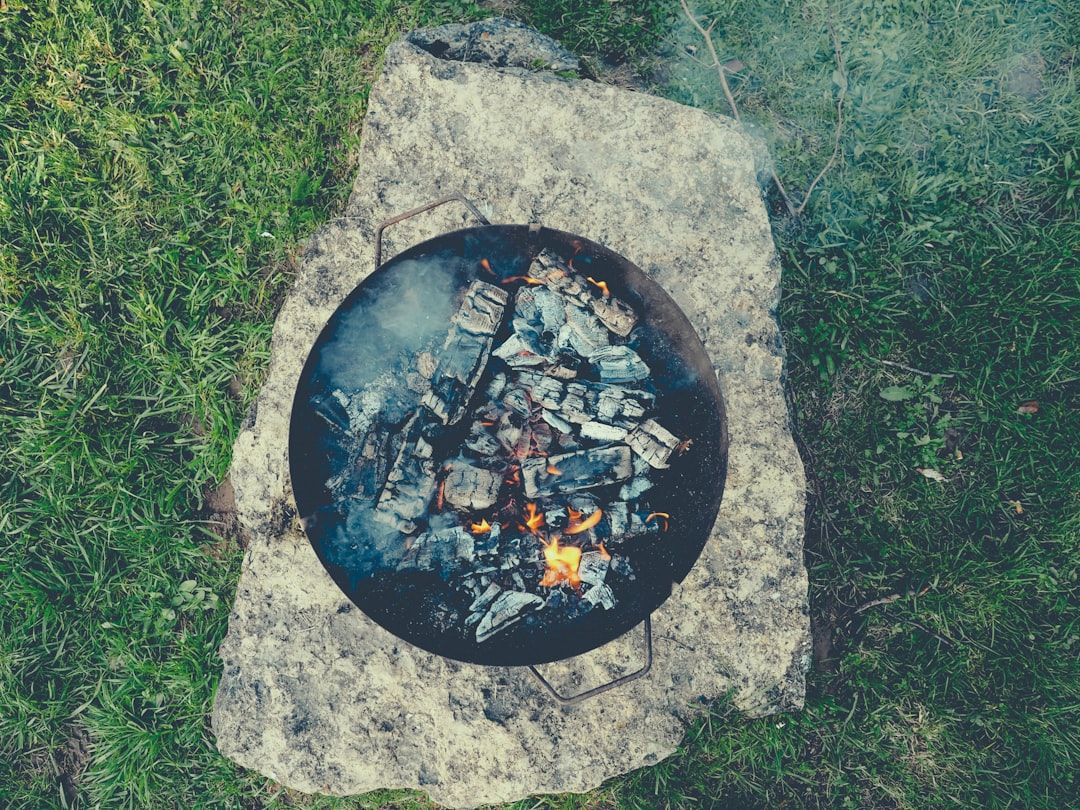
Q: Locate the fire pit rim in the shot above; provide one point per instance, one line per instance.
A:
(531, 653)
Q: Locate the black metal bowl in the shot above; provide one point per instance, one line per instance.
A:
(418, 606)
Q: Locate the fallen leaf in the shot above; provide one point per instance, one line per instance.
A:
(1017, 506)
(733, 66)
(1031, 406)
(933, 475)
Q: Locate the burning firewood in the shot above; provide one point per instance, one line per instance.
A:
(512, 490)
(470, 487)
(570, 472)
(507, 608)
(408, 488)
(653, 442)
(557, 276)
(465, 352)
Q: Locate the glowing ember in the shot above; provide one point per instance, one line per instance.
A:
(534, 518)
(602, 285)
(487, 266)
(577, 527)
(483, 527)
(664, 516)
(553, 470)
(439, 497)
(562, 565)
(526, 279)
(604, 553)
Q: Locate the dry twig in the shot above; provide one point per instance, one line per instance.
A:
(887, 599)
(707, 36)
(905, 367)
(794, 210)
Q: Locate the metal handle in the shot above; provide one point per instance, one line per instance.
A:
(633, 676)
(452, 198)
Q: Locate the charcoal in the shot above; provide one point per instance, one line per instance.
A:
(486, 544)
(581, 469)
(557, 422)
(480, 440)
(470, 487)
(426, 364)
(409, 485)
(653, 442)
(512, 432)
(558, 277)
(464, 354)
(600, 595)
(622, 520)
(583, 333)
(621, 566)
(448, 549)
(580, 402)
(635, 488)
(331, 409)
(373, 465)
(496, 386)
(517, 352)
(594, 567)
(486, 598)
(602, 432)
(516, 400)
(619, 364)
(508, 608)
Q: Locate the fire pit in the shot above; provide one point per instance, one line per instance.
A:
(507, 444)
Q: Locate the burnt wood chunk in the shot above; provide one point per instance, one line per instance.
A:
(465, 352)
(584, 402)
(448, 549)
(619, 364)
(601, 595)
(409, 486)
(507, 608)
(470, 487)
(593, 567)
(623, 521)
(653, 442)
(333, 410)
(570, 472)
(559, 277)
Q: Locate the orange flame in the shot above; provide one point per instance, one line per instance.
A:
(483, 527)
(604, 553)
(526, 279)
(553, 470)
(576, 528)
(439, 497)
(534, 519)
(487, 266)
(602, 285)
(562, 565)
(662, 515)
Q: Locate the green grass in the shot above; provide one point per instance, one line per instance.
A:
(162, 163)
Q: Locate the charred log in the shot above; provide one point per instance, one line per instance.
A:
(570, 472)
(409, 486)
(465, 351)
(557, 276)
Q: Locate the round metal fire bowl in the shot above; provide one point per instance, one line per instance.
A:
(418, 606)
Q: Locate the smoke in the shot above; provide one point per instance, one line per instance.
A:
(400, 312)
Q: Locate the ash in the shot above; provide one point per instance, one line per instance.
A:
(508, 446)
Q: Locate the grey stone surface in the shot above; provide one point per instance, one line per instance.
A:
(320, 698)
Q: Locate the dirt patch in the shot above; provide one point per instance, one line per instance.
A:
(71, 762)
(218, 521)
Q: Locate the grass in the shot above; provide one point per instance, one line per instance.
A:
(161, 164)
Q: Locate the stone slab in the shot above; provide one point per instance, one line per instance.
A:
(320, 698)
